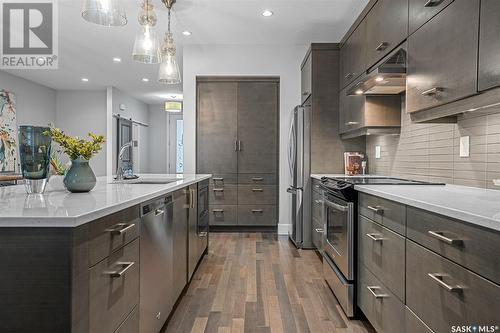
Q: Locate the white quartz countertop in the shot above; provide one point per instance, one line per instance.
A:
(59, 208)
(474, 205)
(321, 175)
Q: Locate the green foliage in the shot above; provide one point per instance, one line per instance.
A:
(75, 147)
(58, 167)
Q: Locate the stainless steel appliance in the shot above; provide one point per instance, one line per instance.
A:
(156, 299)
(299, 162)
(198, 224)
(340, 225)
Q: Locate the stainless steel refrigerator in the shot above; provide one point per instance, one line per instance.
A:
(299, 190)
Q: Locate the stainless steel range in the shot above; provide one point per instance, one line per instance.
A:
(339, 218)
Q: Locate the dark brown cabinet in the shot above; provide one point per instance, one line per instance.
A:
(489, 45)
(442, 57)
(386, 28)
(421, 11)
(306, 81)
(245, 190)
(353, 55)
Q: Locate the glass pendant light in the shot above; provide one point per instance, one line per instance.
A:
(169, 69)
(109, 13)
(146, 46)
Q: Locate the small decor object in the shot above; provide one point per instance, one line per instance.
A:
(80, 177)
(8, 132)
(353, 162)
(56, 180)
(34, 151)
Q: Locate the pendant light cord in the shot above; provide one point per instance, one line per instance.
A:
(168, 19)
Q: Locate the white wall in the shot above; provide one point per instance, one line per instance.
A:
(79, 112)
(35, 104)
(224, 60)
(138, 111)
(158, 137)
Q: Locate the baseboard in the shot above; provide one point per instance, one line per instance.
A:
(283, 229)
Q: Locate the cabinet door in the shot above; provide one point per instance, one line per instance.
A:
(442, 57)
(353, 55)
(422, 11)
(351, 112)
(306, 78)
(258, 127)
(489, 45)
(180, 242)
(217, 127)
(386, 28)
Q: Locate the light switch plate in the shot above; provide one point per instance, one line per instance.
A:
(464, 146)
(378, 152)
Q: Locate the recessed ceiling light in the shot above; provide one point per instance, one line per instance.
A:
(84, 79)
(267, 13)
(187, 33)
(117, 60)
(145, 79)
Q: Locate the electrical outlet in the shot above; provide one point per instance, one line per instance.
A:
(464, 146)
(378, 152)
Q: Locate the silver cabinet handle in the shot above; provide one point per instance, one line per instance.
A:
(120, 228)
(203, 234)
(382, 46)
(257, 190)
(124, 267)
(375, 237)
(257, 211)
(216, 211)
(433, 3)
(439, 235)
(432, 91)
(159, 212)
(438, 277)
(236, 145)
(239, 145)
(375, 294)
(350, 123)
(257, 179)
(218, 190)
(319, 202)
(192, 197)
(319, 230)
(336, 206)
(376, 209)
(218, 179)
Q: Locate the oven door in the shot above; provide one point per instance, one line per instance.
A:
(339, 235)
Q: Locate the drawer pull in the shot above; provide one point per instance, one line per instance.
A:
(439, 235)
(203, 234)
(382, 46)
(257, 179)
(432, 91)
(124, 267)
(375, 294)
(120, 228)
(257, 190)
(319, 230)
(433, 3)
(439, 279)
(376, 209)
(257, 211)
(319, 202)
(218, 179)
(218, 190)
(375, 237)
(348, 76)
(351, 123)
(217, 211)
(317, 186)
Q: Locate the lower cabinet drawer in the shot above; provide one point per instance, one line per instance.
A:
(258, 178)
(382, 308)
(442, 293)
(390, 214)
(414, 324)
(383, 252)
(223, 215)
(257, 215)
(223, 179)
(317, 234)
(223, 195)
(114, 289)
(257, 194)
(131, 324)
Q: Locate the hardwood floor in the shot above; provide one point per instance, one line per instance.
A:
(258, 282)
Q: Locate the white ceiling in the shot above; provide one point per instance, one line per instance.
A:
(87, 50)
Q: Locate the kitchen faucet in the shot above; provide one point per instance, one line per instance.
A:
(119, 170)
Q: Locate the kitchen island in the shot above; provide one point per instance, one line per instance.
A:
(74, 262)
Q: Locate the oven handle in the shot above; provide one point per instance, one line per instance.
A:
(336, 206)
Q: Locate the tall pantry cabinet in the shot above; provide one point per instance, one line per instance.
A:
(238, 143)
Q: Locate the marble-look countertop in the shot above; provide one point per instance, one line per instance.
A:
(321, 175)
(60, 208)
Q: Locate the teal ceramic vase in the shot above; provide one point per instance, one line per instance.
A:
(80, 178)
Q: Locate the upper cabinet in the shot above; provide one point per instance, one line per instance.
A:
(422, 11)
(489, 45)
(306, 82)
(442, 57)
(386, 28)
(353, 55)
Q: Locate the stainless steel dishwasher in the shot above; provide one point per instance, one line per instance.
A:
(156, 248)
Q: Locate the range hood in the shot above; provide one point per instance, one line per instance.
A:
(387, 78)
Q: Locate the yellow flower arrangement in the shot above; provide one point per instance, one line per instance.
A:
(75, 147)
